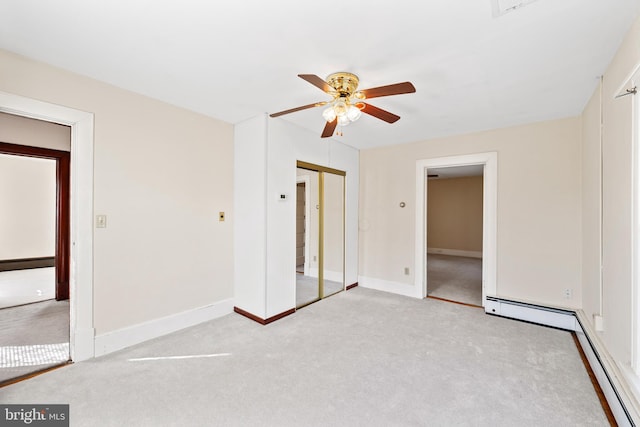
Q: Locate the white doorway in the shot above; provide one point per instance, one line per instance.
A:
(454, 234)
(489, 221)
(81, 272)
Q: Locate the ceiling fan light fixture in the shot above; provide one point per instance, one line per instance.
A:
(340, 107)
(329, 114)
(343, 120)
(353, 113)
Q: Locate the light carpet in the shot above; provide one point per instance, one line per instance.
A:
(307, 289)
(33, 337)
(359, 358)
(455, 278)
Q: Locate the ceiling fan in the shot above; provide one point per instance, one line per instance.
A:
(348, 103)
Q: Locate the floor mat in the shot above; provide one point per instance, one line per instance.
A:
(33, 355)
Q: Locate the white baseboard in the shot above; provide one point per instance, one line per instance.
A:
(455, 252)
(558, 318)
(334, 276)
(619, 394)
(405, 289)
(126, 337)
(82, 344)
(617, 391)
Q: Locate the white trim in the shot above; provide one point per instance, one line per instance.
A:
(307, 220)
(489, 218)
(405, 289)
(455, 252)
(558, 318)
(635, 229)
(334, 276)
(612, 381)
(131, 335)
(81, 270)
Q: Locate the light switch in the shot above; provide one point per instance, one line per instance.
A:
(221, 216)
(101, 221)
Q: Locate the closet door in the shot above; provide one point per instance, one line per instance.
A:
(333, 234)
(322, 273)
(307, 237)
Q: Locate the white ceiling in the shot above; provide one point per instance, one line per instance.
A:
(456, 171)
(233, 60)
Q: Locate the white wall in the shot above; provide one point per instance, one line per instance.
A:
(27, 207)
(286, 144)
(538, 247)
(250, 225)
(613, 300)
(161, 174)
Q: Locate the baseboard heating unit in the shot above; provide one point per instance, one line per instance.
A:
(611, 381)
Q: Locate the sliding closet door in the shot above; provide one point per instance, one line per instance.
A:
(307, 236)
(322, 273)
(333, 234)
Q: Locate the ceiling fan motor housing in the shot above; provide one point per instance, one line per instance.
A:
(344, 83)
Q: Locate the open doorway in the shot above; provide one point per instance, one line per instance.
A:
(34, 259)
(454, 233)
(489, 160)
(82, 331)
(35, 251)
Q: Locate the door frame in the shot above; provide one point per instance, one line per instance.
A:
(307, 212)
(81, 328)
(62, 234)
(489, 217)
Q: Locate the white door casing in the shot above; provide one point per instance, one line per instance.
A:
(489, 220)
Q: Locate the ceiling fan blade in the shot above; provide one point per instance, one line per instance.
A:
(329, 128)
(317, 82)
(293, 110)
(394, 89)
(380, 113)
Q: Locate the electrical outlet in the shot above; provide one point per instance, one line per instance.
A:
(406, 271)
(568, 293)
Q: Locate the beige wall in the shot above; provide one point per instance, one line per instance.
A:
(27, 207)
(37, 133)
(161, 174)
(454, 213)
(538, 232)
(612, 301)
